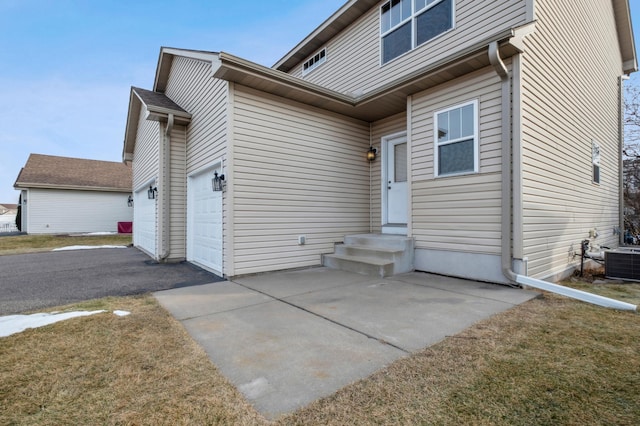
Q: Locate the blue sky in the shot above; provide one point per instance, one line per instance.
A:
(67, 65)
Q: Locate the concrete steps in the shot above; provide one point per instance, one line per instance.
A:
(377, 255)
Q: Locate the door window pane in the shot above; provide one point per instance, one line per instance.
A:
(400, 162)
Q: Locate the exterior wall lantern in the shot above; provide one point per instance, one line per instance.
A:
(130, 201)
(218, 183)
(371, 154)
(152, 192)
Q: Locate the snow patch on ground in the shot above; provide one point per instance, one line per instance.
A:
(12, 324)
(85, 247)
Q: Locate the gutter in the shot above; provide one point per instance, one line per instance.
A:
(165, 246)
(507, 192)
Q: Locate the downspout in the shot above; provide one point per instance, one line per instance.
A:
(166, 190)
(506, 211)
(506, 231)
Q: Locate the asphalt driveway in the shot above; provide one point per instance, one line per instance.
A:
(41, 280)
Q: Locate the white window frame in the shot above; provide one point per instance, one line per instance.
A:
(322, 58)
(476, 140)
(596, 152)
(413, 16)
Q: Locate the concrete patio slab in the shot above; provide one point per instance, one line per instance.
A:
(282, 358)
(198, 301)
(286, 339)
(291, 283)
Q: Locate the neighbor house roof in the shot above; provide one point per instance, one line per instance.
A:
(9, 206)
(48, 171)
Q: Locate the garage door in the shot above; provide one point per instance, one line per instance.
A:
(204, 223)
(144, 222)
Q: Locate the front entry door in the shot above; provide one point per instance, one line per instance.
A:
(395, 185)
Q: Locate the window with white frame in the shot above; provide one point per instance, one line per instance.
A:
(456, 140)
(406, 24)
(595, 161)
(314, 62)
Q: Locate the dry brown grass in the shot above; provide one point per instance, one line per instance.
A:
(549, 361)
(104, 369)
(19, 244)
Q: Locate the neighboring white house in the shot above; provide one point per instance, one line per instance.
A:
(8, 217)
(73, 195)
(495, 124)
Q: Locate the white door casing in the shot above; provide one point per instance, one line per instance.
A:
(394, 184)
(204, 221)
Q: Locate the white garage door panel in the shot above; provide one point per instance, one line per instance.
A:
(204, 230)
(144, 222)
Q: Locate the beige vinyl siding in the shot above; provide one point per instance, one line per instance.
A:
(353, 56)
(380, 129)
(459, 213)
(570, 97)
(192, 86)
(145, 154)
(296, 171)
(54, 211)
(178, 182)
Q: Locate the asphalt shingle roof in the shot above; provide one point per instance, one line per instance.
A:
(47, 171)
(156, 99)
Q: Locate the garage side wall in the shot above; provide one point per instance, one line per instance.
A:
(297, 171)
(145, 172)
(53, 211)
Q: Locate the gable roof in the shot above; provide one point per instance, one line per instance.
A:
(158, 107)
(354, 9)
(48, 171)
(9, 206)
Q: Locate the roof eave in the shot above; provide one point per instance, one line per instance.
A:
(133, 116)
(384, 101)
(28, 185)
(626, 40)
(165, 60)
(341, 19)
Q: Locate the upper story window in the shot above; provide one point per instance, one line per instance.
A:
(456, 140)
(406, 24)
(314, 62)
